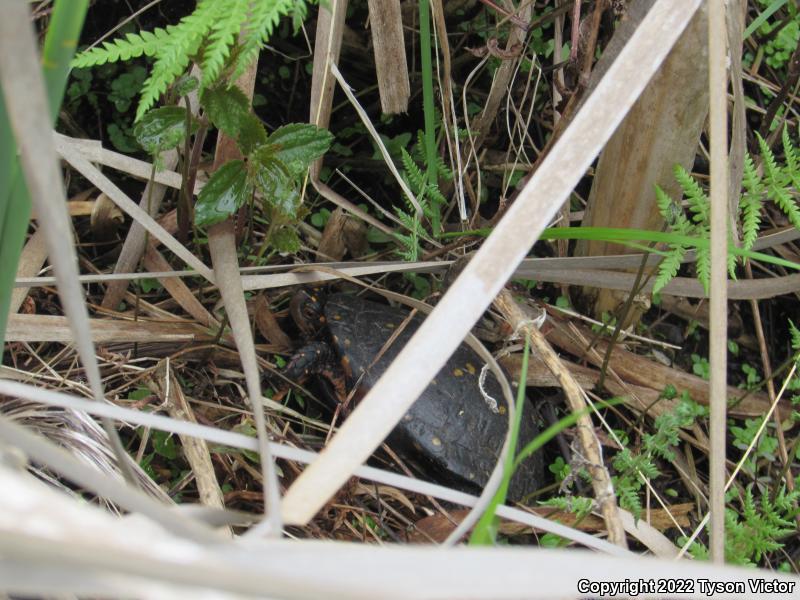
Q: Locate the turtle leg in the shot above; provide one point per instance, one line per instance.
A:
(312, 359)
(318, 358)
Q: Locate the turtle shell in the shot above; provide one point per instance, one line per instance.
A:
(450, 430)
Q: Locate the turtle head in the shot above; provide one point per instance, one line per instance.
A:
(306, 308)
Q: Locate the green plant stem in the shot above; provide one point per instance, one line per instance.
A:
(184, 198)
(66, 22)
(485, 532)
(428, 107)
(629, 237)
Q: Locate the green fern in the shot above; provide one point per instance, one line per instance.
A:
(678, 223)
(758, 528)
(207, 37)
(220, 39)
(263, 17)
(134, 45)
(633, 469)
(750, 204)
(418, 182)
(410, 248)
(778, 184)
(777, 180)
(418, 152)
(428, 196)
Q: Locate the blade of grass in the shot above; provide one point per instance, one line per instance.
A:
(485, 532)
(27, 103)
(762, 18)
(427, 105)
(630, 236)
(66, 22)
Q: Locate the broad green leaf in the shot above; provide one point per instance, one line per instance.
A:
(186, 85)
(228, 108)
(226, 191)
(252, 134)
(297, 145)
(162, 128)
(285, 240)
(272, 178)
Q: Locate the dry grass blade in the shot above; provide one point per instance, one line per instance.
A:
(88, 170)
(136, 239)
(65, 465)
(224, 256)
(376, 138)
(493, 264)
(155, 261)
(30, 262)
(93, 151)
(390, 55)
(50, 328)
(26, 104)
(718, 332)
(93, 553)
(80, 435)
(236, 440)
(195, 450)
(590, 445)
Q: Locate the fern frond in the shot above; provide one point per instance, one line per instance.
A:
(223, 34)
(750, 203)
(703, 267)
(792, 170)
(263, 17)
(173, 57)
(776, 181)
(780, 196)
(417, 180)
(668, 268)
(698, 200)
(790, 152)
(133, 45)
(628, 496)
(795, 335)
(732, 259)
(444, 171)
(410, 241)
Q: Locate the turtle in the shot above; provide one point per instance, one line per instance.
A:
(451, 432)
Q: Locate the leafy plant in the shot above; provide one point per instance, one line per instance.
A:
(765, 448)
(271, 169)
(782, 34)
(272, 165)
(427, 195)
(207, 37)
(66, 22)
(633, 469)
(776, 185)
(757, 529)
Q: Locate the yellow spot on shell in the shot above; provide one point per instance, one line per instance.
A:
(436, 441)
(346, 343)
(458, 372)
(501, 410)
(337, 317)
(470, 368)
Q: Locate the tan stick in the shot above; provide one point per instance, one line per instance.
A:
(167, 386)
(390, 55)
(718, 348)
(590, 445)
